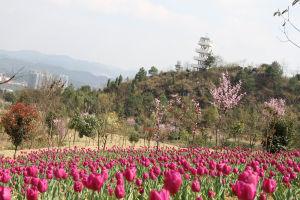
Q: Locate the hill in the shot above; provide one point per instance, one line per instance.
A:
(80, 72)
(135, 97)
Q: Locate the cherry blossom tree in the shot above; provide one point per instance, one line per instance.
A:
(159, 113)
(274, 109)
(226, 97)
(197, 112)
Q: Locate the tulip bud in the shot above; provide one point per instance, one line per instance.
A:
(159, 195)
(78, 186)
(211, 194)
(172, 182)
(120, 191)
(5, 193)
(43, 185)
(269, 185)
(32, 194)
(196, 186)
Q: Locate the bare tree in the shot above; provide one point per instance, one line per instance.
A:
(287, 22)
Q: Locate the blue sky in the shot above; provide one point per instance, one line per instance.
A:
(141, 33)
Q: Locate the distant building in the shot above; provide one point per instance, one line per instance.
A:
(203, 51)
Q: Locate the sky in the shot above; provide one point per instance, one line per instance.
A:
(142, 33)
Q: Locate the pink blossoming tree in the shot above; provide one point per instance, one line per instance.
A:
(158, 114)
(273, 111)
(226, 97)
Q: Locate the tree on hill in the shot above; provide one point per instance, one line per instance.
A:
(248, 81)
(153, 71)
(209, 61)
(141, 75)
(226, 97)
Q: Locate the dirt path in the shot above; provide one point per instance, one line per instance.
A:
(113, 140)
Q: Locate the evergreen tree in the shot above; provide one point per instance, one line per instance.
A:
(141, 75)
(153, 71)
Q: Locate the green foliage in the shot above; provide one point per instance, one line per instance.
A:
(237, 129)
(134, 137)
(75, 121)
(274, 72)
(10, 97)
(88, 126)
(210, 115)
(282, 133)
(133, 105)
(209, 61)
(49, 119)
(153, 71)
(163, 100)
(148, 103)
(141, 75)
(294, 85)
(248, 81)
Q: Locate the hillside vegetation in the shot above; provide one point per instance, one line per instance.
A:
(128, 106)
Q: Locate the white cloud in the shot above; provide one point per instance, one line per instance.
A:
(137, 8)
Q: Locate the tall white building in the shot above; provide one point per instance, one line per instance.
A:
(203, 51)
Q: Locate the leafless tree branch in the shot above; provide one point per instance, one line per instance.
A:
(12, 77)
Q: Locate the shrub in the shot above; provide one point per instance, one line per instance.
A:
(134, 137)
(283, 131)
(19, 123)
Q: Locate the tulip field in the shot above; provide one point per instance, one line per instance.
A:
(144, 173)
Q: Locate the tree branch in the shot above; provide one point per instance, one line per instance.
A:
(288, 38)
(12, 77)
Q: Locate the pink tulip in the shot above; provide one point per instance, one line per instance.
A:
(211, 194)
(35, 181)
(196, 186)
(141, 190)
(120, 191)
(262, 197)
(159, 195)
(130, 174)
(32, 193)
(172, 181)
(43, 185)
(139, 182)
(5, 177)
(145, 176)
(269, 185)
(5, 193)
(78, 186)
(59, 173)
(244, 191)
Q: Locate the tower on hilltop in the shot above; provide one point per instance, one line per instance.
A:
(204, 51)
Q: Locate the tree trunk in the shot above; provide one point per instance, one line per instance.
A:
(105, 140)
(217, 128)
(74, 136)
(216, 137)
(157, 146)
(98, 140)
(16, 148)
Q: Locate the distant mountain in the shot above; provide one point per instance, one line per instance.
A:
(80, 72)
(77, 78)
(67, 63)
